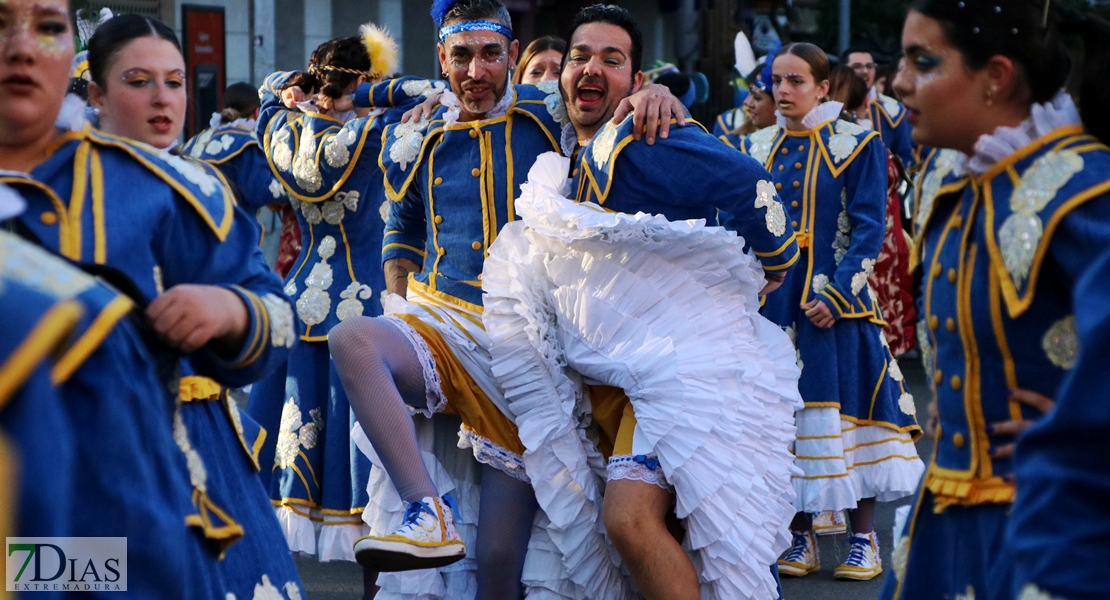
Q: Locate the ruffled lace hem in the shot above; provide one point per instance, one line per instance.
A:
(332, 537)
(489, 453)
(1043, 118)
(433, 387)
(668, 312)
(626, 467)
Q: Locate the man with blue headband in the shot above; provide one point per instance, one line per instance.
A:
(452, 180)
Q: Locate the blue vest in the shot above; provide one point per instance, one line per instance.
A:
(452, 187)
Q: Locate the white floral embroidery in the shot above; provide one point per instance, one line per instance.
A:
(351, 306)
(291, 288)
(1021, 233)
(408, 138)
(276, 189)
(1061, 343)
(198, 475)
(383, 211)
(310, 211)
(158, 285)
(219, 145)
(843, 230)
(901, 557)
(603, 144)
(776, 216)
(859, 280)
(280, 151)
(333, 212)
(759, 143)
(267, 590)
(40, 270)
(305, 169)
(1032, 592)
(293, 433)
(202, 141)
(820, 280)
(315, 303)
(894, 370)
(195, 174)
(336, 152)
(843, 143)
(292, 590)
(554, 101)
(906, 405)
(282, 333)
(422, 87)
(969, 594)
(891, 106)
(944, 163)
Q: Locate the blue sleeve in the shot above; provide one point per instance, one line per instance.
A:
(251, 174)
(902, 146)
(269, 94)
(400, 93)
(406, 229)
(189, 253)
(714, 174)
(1059, 525)
(866, 208)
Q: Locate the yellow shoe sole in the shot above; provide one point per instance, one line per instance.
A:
(797, 569)
(388, 556)
(855, 573)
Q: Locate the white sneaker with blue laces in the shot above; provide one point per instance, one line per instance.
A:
(427, 539)
(863, 561)
(802, 558)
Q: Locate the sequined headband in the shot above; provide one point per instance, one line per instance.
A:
(450, 30)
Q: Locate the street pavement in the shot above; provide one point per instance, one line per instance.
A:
(343, 580)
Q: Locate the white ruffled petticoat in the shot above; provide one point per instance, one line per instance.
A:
(667, 311)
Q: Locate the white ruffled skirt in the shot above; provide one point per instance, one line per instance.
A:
(667, 311)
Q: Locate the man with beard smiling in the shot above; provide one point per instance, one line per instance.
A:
(688, 175)
(451, 181)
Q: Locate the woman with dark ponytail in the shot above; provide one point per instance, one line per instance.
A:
(1010, 212)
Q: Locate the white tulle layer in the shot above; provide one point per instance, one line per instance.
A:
(453, 472)
(669, 313)
(332, 537)
(842, 462)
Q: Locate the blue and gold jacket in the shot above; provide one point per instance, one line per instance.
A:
(729, 122)
(888, 117)
(688, 175)
(445, 216)
(73, 366)
(1000, 253)
(162, 221)
(236, 153)
(329, 170)
(832, 179)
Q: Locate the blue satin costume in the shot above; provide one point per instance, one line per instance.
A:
(161, 221)
(1001, 254)
(237, 155)
(832, 180)
(329, 170)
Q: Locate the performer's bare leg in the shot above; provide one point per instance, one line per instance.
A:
(635, 515)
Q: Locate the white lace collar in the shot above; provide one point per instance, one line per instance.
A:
(216, 122)
(568, 141)
(1043, 118)
(11, 203)
(826, 111)
(451, 101)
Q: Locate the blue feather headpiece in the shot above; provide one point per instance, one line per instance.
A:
(763, 82)
(440, 8)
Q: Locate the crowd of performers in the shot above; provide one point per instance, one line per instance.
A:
(534, 332)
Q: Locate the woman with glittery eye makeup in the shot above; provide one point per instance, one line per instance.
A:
(856, 432)
(166, 231)
(138, 88)
(1012, 220)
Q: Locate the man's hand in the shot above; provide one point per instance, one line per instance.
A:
(397, 275)
(819, 313)
(188, 317)
(422, 111)
(774, 280)
(652, 109)
(1037, 401)
(290, 96)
